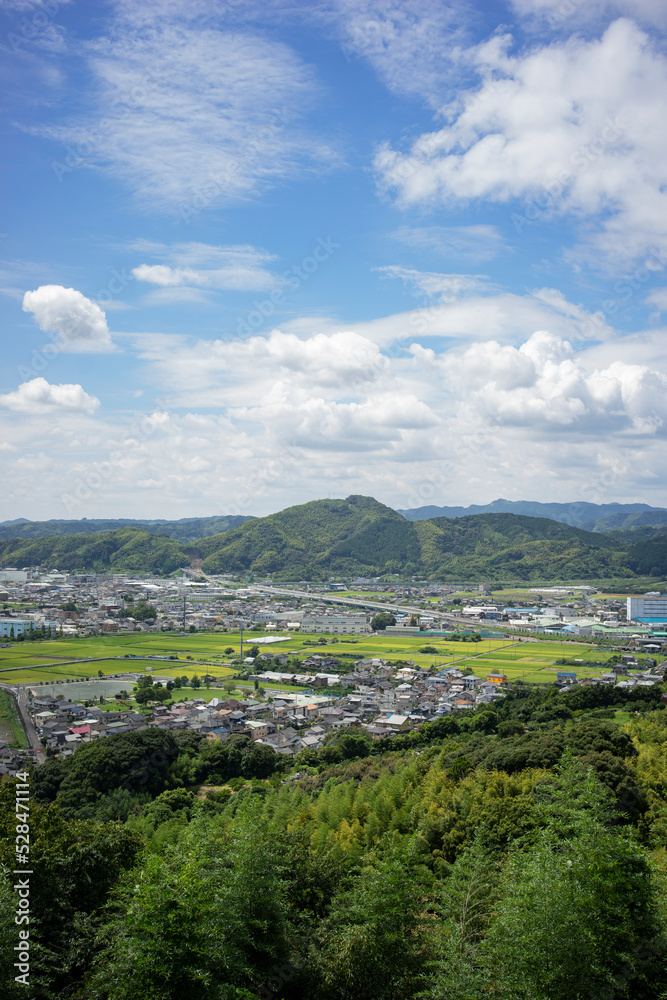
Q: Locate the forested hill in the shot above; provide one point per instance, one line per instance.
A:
(126, 549)
(360, 536)
(511, 852)
(187, 529)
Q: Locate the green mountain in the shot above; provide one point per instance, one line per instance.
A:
(186, 529)
(360, 536)
(126, 549)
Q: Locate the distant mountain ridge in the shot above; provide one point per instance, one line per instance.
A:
(579, 514)
(186, 529)
(361, 536)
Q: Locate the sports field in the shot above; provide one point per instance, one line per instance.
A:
(532, 660)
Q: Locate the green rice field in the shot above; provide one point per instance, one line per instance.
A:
(532, 661)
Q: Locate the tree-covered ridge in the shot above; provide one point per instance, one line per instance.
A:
(127, 549)
(513, 852)
(361, 536)
(185, 530)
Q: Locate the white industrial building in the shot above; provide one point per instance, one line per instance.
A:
(338, 624)
(648, 610)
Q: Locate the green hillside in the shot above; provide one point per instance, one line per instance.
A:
(361, 536)
(121, 550)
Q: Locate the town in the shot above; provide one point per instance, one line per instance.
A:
(271, 679)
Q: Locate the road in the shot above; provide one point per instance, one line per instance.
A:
(20, 698)
(332, 599)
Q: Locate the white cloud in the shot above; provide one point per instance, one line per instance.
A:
(573, 127)
(415, 49)
(447, 287)
(190, 116)
(570, 15)
(238, 268)
(544, 383)
(80, 324)
(476, 243)
(38, 396)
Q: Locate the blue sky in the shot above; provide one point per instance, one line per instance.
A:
(255, 254)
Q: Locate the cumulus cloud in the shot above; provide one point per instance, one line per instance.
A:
(544, 383)
(80, 325)
(39, 396)
(573, 127)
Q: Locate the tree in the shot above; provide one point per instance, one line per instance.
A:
(196, 682)
(228, 650)
(380, 621)
(204, 922)
(373, 940)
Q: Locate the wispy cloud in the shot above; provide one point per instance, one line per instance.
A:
(189, 114)
(416, 49)
(445, 287)
(238, 268)
(475, 243)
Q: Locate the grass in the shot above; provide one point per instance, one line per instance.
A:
(10, 725)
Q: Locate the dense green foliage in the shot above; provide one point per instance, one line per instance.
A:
(124, 549)
(514, 852)
(360, 535)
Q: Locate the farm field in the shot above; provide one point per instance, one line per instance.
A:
(11, 730)
(532, 661)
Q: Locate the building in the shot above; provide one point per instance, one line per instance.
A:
(648, 610)
(351, 624)
(496, 678)
(15, 626)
